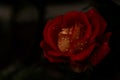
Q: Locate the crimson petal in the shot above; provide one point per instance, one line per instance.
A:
(57, 54)
(54, 53)
(45, 30)
(107, 37)
(83, 54)
(93, 17)
(100, 53)
(70, 18)
(51, 59)
(99, 24)
(86, 23)
(42, 44)
(45, 46)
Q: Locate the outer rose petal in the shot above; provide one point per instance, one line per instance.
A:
(57, 54)
(100, 53)
(45, 30)
(45, 46)
(49, 51)
(107, 37)
(54, 53)
(46, 27)
(83, 54)
(70, 18)
(95, 22)
(53, 59)
(52, 56)
(42, 44)
(98, 23)
(49, 32)
(86, 23)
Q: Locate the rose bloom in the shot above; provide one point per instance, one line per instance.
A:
(77, 38)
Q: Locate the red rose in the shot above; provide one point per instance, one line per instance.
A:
(78, 38)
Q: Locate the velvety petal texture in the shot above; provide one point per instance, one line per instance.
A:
(76, 38)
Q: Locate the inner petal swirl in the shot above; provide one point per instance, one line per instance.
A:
(68, 35)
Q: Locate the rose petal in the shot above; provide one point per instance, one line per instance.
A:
(54, 53)
(70, 18)
(103, 24)
(51, 59)
(100, 54)
(42, 44)
(45, 46)
(50, 34)
(107, 37)
(93, 18)
(86, 23)
(45, 30)
(102, 51)
(83, 54)
(99, 24)
(57, 54)
(48, 54)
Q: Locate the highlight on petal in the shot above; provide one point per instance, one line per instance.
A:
(75, 32)
(83, 54)
(64, 40)
(99, 54)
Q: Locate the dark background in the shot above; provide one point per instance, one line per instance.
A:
(21, 26)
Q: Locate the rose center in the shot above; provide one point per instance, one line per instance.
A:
(67, 35)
